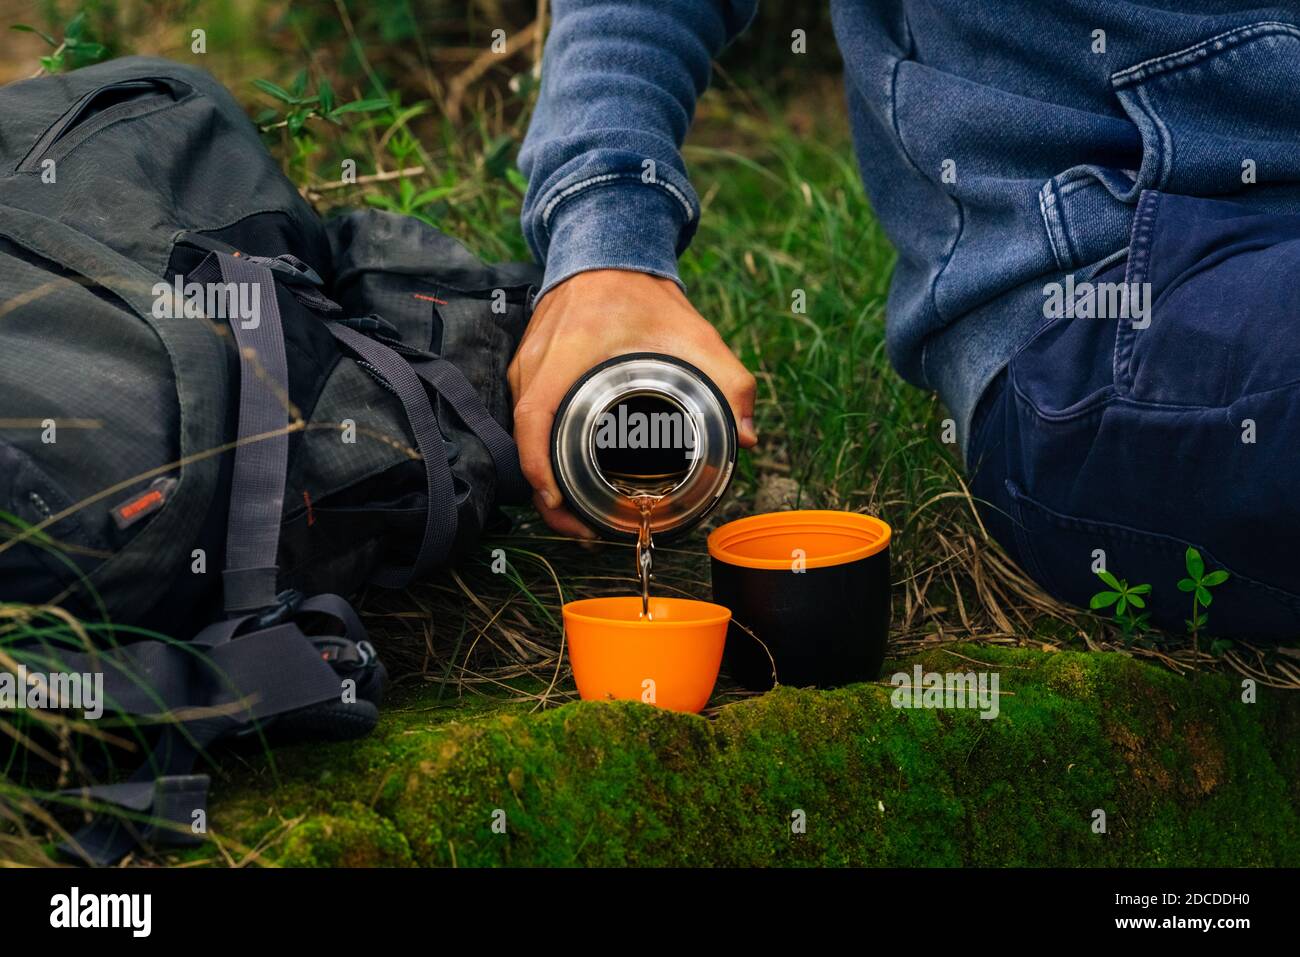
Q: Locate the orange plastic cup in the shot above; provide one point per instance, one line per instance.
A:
(670, 660)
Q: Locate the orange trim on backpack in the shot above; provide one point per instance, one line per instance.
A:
(145, 502)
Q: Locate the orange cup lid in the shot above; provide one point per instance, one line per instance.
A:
(820, 538)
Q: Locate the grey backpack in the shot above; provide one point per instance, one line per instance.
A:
(218, 415)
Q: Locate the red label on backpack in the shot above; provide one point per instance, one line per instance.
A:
(146, 503)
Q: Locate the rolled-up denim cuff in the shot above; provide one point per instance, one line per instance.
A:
(625, 224)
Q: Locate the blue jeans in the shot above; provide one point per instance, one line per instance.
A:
(1122, 442)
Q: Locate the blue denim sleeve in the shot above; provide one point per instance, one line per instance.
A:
(607, 188)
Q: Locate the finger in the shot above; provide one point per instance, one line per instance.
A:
(512, 378)
(544, 378)
(561, 520)
(741, 394)
(739, 388)
(533, 422)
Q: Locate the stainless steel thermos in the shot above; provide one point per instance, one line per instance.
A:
(643, 424)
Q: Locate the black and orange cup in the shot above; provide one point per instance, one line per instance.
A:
(670, 659)
(809, 597)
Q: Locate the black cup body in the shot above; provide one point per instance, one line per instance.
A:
(824, 626)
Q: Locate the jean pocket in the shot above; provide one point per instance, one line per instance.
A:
(1221, 316)
(1208, 119)
(1063, 553)
(1202, 110)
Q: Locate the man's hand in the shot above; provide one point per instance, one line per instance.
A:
(595, 316)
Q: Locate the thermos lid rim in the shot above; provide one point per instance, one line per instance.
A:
(591, 497)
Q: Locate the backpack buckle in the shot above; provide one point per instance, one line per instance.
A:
(342, 654)
(290, 269)
(370, 325)
(286, 607)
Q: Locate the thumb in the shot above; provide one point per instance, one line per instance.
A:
(739, 388)
(741, 396)
(533, 420)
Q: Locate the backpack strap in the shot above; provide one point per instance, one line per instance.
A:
(235, 675)
(451, 384)
(262, 450)
(262, 442)
(440, 516)
(258, 664)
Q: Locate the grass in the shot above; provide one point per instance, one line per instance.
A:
(785, 219)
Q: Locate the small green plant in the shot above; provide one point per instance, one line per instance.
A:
(409, 200)
(405, 197)
(1198, 584)
(296, 108)
(299, 107)
(72, 51)
(1128, 602)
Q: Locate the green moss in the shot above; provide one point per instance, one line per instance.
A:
(360, 839)
(1186, 773)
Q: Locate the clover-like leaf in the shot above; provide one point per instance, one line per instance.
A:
(1103, 599)
(1195, 564)
(1135, 600)
(1186, 584)
(1215, 578)
(1110, 580)
(1203, 595)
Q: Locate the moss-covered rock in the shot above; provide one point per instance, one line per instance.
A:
(1184, 770)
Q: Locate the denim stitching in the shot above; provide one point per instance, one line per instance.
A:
(1050, 215)
(574, 189)
(1201, 51)
(1139, 261)
(1166, 146)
